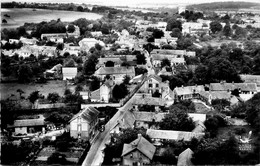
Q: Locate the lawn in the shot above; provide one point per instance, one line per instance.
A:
(7, 89)
(20, 16)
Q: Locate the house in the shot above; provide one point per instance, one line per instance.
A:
(127, 121)
(102, 62)
(28, 126)
(158, 135)
(208, 96)
(27, 41)
(244, 88)
(54, 73)
(54, 37)
(176, 57)
(103, 94)
(84, 125)
(197, 117)
(187, 92)
(199, 127)
(151, 101)
(69, 73)
(86, 43)
(118, 73)
(154, 84)
(251, 79)
(184, 159)
(96, 33)
(139, 152)
(148, 120)
(160, 42)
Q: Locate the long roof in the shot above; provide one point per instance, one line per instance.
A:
(115, 70)
(101, 61)
(188, 90)
(142, 145)
(149, 116)
(148, 101)
(173, 135)
(28, 122)
(166, 51)
(89, 114)
(232, 86)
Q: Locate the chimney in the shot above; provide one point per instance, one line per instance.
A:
(139, 135)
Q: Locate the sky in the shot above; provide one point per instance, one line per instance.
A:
(135, 3)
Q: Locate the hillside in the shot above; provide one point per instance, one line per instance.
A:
(223, 5)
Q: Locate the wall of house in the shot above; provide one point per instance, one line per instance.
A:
(154, 85)
(79, 126)
(104, 93)
(20, 130)
(135, 157)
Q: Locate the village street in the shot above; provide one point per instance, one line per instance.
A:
(95, 154)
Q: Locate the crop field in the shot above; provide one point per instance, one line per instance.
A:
(20, 16)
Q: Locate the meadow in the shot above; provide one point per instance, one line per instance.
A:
(8, 89)
(20, 16)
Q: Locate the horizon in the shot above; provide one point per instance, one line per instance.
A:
(133, 3)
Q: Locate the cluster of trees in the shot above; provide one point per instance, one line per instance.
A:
(191, 16)
(178, 119)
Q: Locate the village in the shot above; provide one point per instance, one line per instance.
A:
(132, 88)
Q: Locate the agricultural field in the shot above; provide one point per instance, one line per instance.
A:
(17, 17)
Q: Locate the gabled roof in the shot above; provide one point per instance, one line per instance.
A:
(142, 145)
(28, 122)
(169, 52)
(104, 60)
(184, 158)
(156, 77)
(232, 86)
(149, 116)
(148, 101)
(115, 70)
(200, 127)
(251, 79)
(188, 90)
(89, 114)
(95, 94)
(197, 117)
(127, 121)
(173, 135)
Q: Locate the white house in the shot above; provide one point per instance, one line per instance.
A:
(84, 125)
(69, 72)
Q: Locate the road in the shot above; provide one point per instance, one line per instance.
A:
(95, 155)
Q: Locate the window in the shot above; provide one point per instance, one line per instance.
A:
(157, 85)
(150, 85)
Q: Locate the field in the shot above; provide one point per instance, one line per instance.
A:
(7, 89)
(20, 16)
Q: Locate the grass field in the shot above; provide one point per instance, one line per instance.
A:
(20, 16)
(7, 89)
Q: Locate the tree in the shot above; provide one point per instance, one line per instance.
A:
(80, 8)
(126, 80)
(90, 65)
(98, 47)
(34, 96)
(176, 32)
(213, 123)
(109, 64)
(241, 32)
(173, 23)
(119, 91)
(165, 62)
(227, 30)
(20, 92)
(220, 104)
(156, 94)
(140, 70)
(71, 28)
(140, 59)
(78, 88)
(215, 26)
(24, 73)
(53, 97)
(177, 120)
(94, 84)
(157, 33)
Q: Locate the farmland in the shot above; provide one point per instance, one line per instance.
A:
(20, 16)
